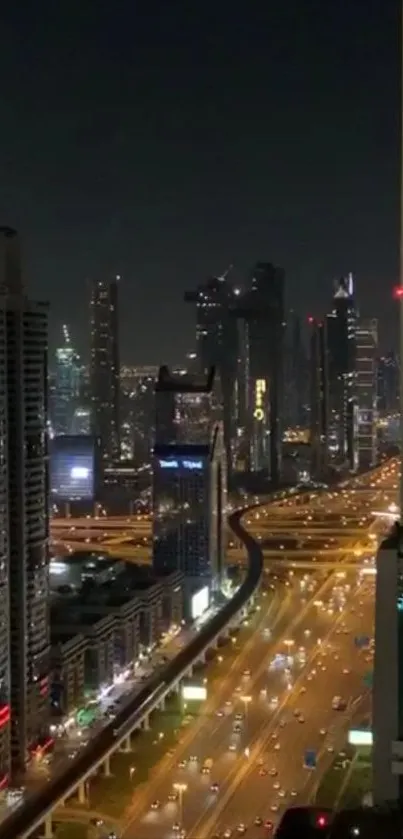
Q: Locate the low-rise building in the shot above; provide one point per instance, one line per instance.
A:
(68, 651)
(99, 631)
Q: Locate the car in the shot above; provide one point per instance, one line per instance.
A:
(293, 793)
(274, 807)
(238, 717)
(346, 671)
(232, 747)
(214, 787)
(205, 770)
(258, 821)
(297, 712)
(176, 827)
(193, 758)
(276, 785)
(246, 673)
(227, 833)
(283, 723)
(322, 732)
(173, 796)
(277, 747)
(182, 764)
(269, 825)
(273, 772)
(281, 793)
(156, 805)
(262, 772)
(301, 718)
(220, 713)
(241, 828)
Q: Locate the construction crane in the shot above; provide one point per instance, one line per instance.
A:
(224, 276)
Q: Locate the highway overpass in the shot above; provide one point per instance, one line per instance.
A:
(37, 811)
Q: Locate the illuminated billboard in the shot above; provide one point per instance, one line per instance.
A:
(72, 468)
(260, 390)
(357, 737)
(200, 602)
(194, 693)
(182, 463)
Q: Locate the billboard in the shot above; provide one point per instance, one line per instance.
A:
(186, 463)
(194, 693)
(200, 602)
(358, 737)
(72, 468)
(260, 391)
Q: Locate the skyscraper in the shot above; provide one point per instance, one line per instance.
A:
(217, 343)
(24, 529)
(189, 480)
(341, 341)
(66, 385)
(366, 389)
(319, 401)
(262, 309)
(296, 392)
(105, 367)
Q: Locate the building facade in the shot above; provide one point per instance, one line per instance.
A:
(261, 308)
(366, 388)
(66, 390)
(104, 368)
(24, 454)
(319, 402)
(341, 341)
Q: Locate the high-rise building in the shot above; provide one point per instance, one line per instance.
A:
(24, 679)
(296, 378)
(189, 480)
(104, 368)
(319, 402)
(217, 344)
(387, 694)
(262, 309)
(341, 340)
(366, 390)
(388, 384)
(66, 385)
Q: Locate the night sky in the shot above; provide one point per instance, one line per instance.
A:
(163, 140)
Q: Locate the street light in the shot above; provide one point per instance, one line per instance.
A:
(180, 789)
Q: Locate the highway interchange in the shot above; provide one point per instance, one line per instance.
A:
(284, 711)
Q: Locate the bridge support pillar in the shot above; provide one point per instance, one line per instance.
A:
(106, 767)
(126, 745)
(81, 792)
(47, 828)
(190, 672)
(161, 706)
(146, 723)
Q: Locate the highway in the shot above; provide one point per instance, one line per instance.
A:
(266, 700)
(273, 735)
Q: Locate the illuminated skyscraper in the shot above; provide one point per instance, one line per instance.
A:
(23, 458)
(366, 388)
(262, 310)
(217, 344)
(189, 480)
(66, 386)
(341, 341)
(105, 368)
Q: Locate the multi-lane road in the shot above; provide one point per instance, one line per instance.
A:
(282, 709)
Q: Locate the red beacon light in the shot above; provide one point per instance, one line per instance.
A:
(321, 821)
(398, 292)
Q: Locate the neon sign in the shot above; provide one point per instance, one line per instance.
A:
(183, 463)
(260, 390)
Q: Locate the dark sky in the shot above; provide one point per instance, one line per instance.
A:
(163, 140)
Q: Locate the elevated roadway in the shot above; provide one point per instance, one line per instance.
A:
(38, 808)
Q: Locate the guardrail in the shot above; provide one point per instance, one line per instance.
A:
(34, 812)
